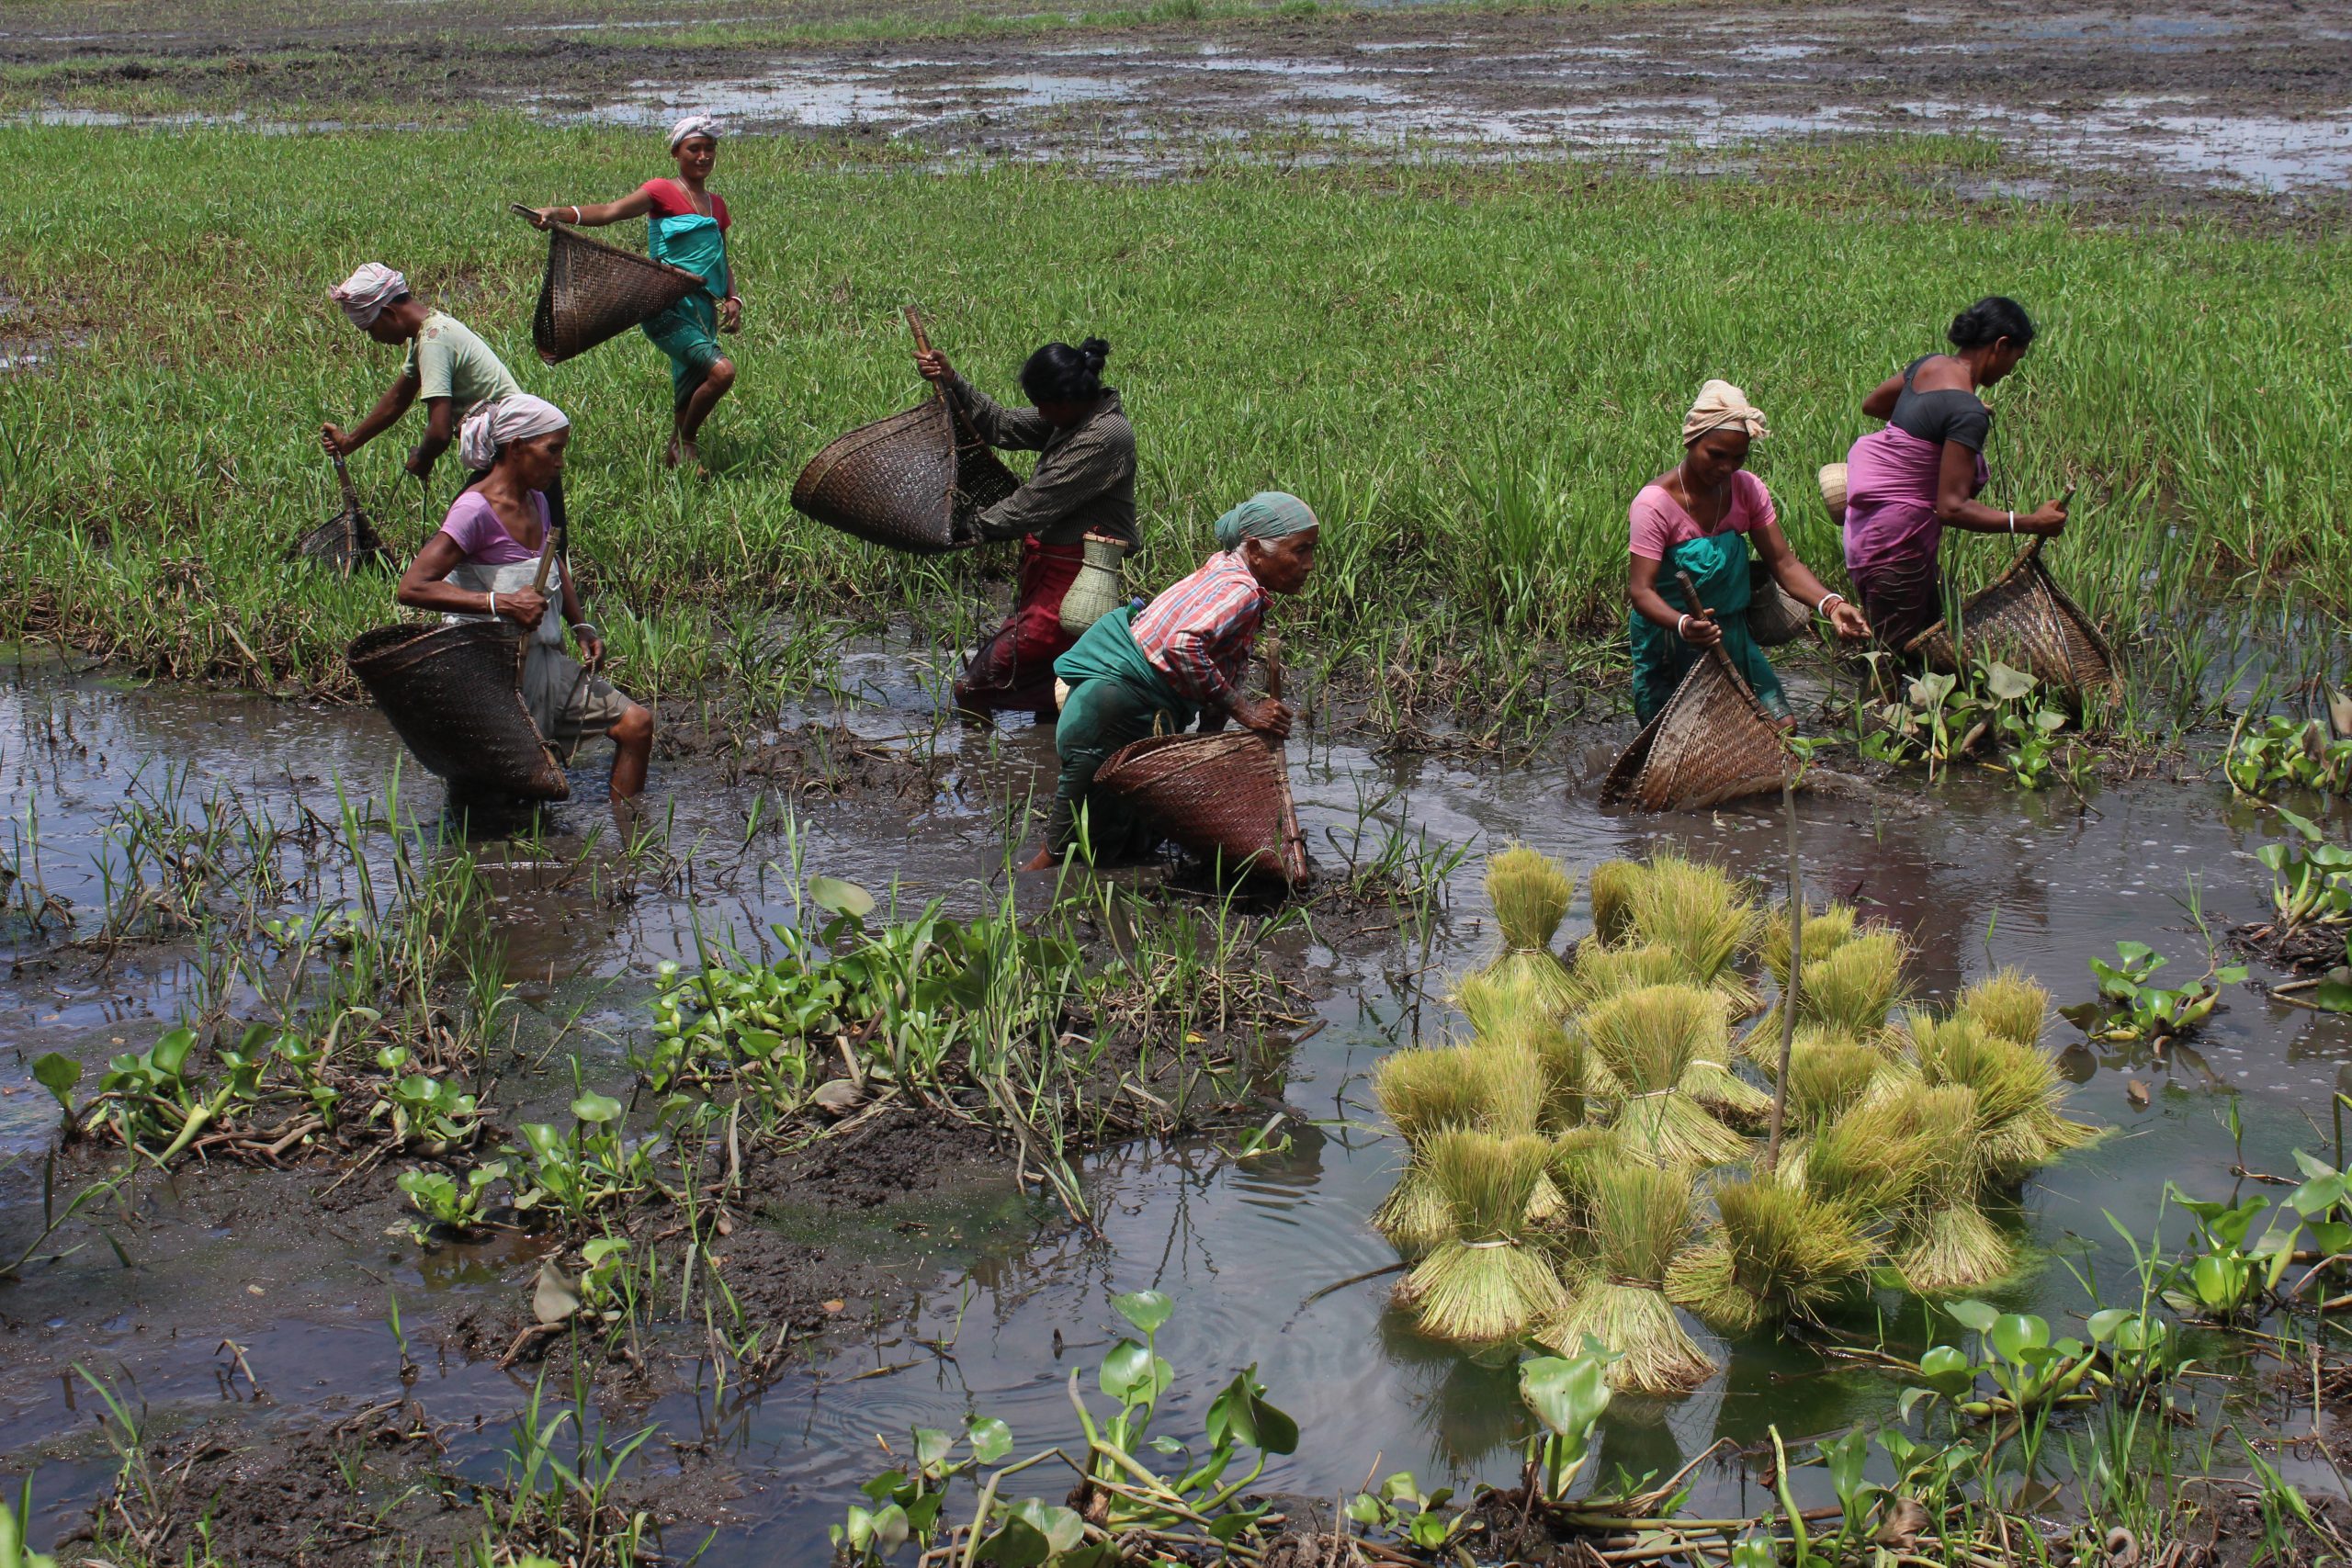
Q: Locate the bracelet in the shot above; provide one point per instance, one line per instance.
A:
(575, 215)
(1680, 621)
(493, 604)
(1823, 608)
(584, 629)
(2013, 520)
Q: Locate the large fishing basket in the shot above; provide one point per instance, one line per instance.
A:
(1774, 614)
(593, 291)
(451, 695)
(344, 540)
(1226, 795)
(915, 481)
(1712, 742)
(2024, 618)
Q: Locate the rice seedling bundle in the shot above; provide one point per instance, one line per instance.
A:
(1942, 1240)
(1697, 912)
(2018, 1091)
(1530, 892)
(1853, 989)
(1825, 930)
(1484, 1281)
(1776, 1251)
(1425, 1092)
(2010, 1005)
(1601, 972)
(1640, 1218)
(1871, 1161)
(1508, 1013)
(1610, 886)
(1829, 1071)
(1646, 1038)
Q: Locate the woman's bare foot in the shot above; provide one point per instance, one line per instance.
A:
(670, 454)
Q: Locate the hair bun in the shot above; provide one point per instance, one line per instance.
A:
(1095, 351)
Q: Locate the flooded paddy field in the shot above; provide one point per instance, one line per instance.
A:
(255, 1322)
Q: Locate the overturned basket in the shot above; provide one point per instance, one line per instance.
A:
(2024, 617)
(345, 540)
(1712, 742)
(1226, 795)
(450, 694)
(910, 482)
(593, 291)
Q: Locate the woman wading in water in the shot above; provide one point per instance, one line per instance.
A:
(484, 561)
(1697, 519)
(685, 226)
(1907, 484)
(1084, 484)
(1181, 656)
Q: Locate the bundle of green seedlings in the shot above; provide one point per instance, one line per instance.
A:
(1558, 1157)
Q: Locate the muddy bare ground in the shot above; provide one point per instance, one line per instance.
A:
(2226, 99)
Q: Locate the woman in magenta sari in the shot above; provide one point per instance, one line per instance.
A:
(1907, 484)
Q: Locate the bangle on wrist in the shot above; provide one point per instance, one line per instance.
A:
(586, 629)
(493, 604)
(2013, 520)
(575, 216)
(1823, 608)
(1680, 622)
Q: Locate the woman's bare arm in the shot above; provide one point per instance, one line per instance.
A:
(422, 588)
(595, 214)
(1880, 404)
(1955, 487)
(1641, 588)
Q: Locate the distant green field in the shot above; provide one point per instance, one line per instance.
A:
(1468, 372)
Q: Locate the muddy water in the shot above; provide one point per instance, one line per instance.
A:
(1980, 876)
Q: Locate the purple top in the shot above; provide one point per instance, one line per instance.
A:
(1891, 478)
(483, 539)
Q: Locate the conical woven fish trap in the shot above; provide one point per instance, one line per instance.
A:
(451, 696)
(912, 482)
(1226, 795)
(1774, 614)
(1713, 741)
(344, 542)
(1099, 588)
(593, 291)
(2024, 618)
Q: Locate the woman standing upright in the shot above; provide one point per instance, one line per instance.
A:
(1084, 484)
(1696, 521)
(687, 226)
(1908, 482)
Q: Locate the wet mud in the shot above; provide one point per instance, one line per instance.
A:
(2219, 102)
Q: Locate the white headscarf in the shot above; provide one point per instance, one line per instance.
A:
(516, 417)
(1721, 404)
(692, 124)
(365, 293)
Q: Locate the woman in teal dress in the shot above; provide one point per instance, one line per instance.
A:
(1697, 520)
(686, 227)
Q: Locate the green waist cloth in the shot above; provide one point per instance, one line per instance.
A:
(1718, 566)
(1108, 652)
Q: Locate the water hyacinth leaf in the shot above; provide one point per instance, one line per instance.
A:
(1242, 1412)
(882, 1486)
(835, 897)
(1569, 1395)
(931, 1445)
(2006, 683)
(59, 1075)
(1132, 1375)
(990, 1439)
(2015, 1334)
(171, 1052)
(1975, 1315)
(553, 1299)
(1144, 1308)
(596, 1108)
(1947, 1370)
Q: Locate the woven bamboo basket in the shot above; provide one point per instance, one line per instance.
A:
(1774, 614)
(2024, 618)
(1101, 586)
(1226, 795)
(344, 540)
(593, 291)
(912, 482)
(1712, 742)
(1833, 491)
(450, 694)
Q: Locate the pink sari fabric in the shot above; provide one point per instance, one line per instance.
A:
(1892, 531)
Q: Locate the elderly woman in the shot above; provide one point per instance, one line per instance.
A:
(685, 226)
(447, 367)
(1696, 520)
(1137, 675)
(1907, 484)
(485, 560)
(1083, 485)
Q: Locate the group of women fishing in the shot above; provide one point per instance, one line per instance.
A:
(1180, 659)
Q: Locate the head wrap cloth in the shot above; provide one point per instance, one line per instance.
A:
(692, 124)
(491, 427)
(1268, 514)
(365, 293)
(1722, 406)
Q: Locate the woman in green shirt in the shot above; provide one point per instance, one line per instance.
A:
(454, 371)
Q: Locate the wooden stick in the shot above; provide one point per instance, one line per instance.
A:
(1796, 969)
(955, 404)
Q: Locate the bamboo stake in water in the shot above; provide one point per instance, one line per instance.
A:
(1796, 966)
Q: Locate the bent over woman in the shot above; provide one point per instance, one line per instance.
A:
(1084, 484)
(1907, 484)
(685, 226)
(1135, 675)
(1697, 520)
(485, 560)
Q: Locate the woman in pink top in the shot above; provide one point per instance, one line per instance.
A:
(1695, 521)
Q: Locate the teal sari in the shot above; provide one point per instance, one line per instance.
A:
(1717, 565)
(1116, 696)
(688, 330)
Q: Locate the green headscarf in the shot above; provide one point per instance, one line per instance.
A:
(1268, 514)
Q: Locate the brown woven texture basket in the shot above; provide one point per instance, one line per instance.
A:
(2023, 618)
(1713, 741)
(450, 694)
(594, 291)
(1774, 614)
(344, 540)
(912, 482)
(1226, 795)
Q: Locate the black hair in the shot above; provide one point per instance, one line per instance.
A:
(1060, 374)
(403, 298)
(1994, 317)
